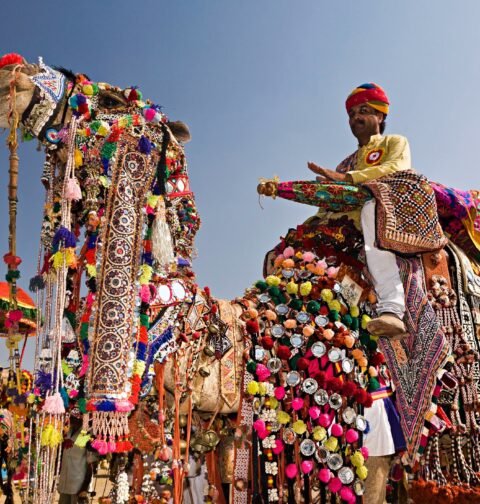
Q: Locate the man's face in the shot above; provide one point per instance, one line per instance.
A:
(364, 120)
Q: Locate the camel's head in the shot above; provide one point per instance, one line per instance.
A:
(47, 99)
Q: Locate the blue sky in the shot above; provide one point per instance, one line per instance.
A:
(262, 85)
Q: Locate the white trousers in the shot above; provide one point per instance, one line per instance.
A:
(382, 265)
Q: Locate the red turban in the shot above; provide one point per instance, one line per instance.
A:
(369, 93)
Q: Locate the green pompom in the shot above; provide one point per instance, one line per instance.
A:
(373, 384)
(355, 324)
(372, 344)
(274, 292)
(261, 285)
(313, 307)
(12, 275)
(347, 320)
(293, 362)
(251, 366)
(82, 405)
(364, 338)
(296, 304)
(334, 315)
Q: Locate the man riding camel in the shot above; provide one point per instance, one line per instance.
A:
(402, 216)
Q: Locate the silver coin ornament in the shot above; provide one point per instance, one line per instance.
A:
(361, 423)
(322, 454)
(349, 415)
(289, 436)
(321, 320)
(307, 447)
(277, 331)
(334, 354)
(346, 476)
(288, 273)
(296, 340)
(309, 386)
(302, 317)
(335, 461)
(335, 401)
(264, 298)
(321, 397)
(318, 349)
(282, 309)
(293, 378)
(274, 364)
(358, 487)
(259, 353)
(348, 365)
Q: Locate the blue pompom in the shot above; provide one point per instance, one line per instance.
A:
(144, 145)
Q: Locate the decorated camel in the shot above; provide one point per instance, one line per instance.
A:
(157, 365)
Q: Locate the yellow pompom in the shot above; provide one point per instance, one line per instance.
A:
(146, 272)
(91, 270)
(354, 311)
(362, 472)
(273, 403)
(262, 389)
(152, 201)
(273, 281)
(305, 288)
(357, 459)
(70, 257)
(87, 89)
(139, 367)
(365, 320)
(292, 287)
(103, 129)
(58, 259)
(334, 305)
(46, 435)
(319, 433)
(283, 417)
(31, 398)
(331, 444)
(252, 387)
(299, 427)
(326, 295)
(78, 158)
(55, 438)
(122, 122)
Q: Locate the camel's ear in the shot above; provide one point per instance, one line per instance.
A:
(180, 131)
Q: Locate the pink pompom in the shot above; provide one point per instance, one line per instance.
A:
(84, 367)
(149, 114)
(297, 403)
(324, 475)
(279, 393)
(337, 430)
(123, 405)
(262, 372)
(335, 485)
(72, 394)
(314, 412)
(324, 420)
(364, 452)
(306, 466)
(72, 190)
(322, 264)
(288, 252)
(308, 257)
(291, 471)
(259, 425)
(111, 446)
(351, 436)
(279, 446)
(346, 493)
(145, 294)
(262, 434)
(332, 272)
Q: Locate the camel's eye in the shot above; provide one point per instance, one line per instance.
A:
(110, 101)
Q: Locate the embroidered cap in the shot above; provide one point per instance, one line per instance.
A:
(369, 93)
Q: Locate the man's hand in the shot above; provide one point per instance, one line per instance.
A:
(326, 174)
